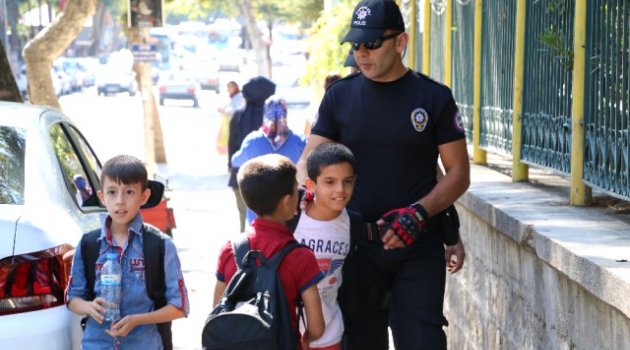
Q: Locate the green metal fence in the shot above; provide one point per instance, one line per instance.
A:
(547, 84)
(436, 66)
(405, 9)
(606, 109)
(462, 60)
(497, 72)
(419, 39)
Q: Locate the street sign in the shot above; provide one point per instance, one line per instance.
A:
(145, 13)
(144, 53)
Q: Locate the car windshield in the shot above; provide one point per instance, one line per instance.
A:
(12, 148)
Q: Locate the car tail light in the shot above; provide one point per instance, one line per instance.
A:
(191, 89)
(162, 89)
(35, 280)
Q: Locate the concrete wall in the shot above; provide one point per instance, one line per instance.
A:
(539, 274)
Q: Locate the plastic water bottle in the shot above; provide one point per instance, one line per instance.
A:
(111, 275)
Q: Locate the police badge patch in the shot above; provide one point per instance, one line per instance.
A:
(459, 122)
(419, 119)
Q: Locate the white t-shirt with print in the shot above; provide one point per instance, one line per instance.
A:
(330, 241)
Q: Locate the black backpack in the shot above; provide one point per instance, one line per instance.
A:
(153, 250)
(253, 313)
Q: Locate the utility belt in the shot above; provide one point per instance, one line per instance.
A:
(445, 223)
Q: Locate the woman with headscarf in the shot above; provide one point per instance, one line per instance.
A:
(245, 120)
(273, 136)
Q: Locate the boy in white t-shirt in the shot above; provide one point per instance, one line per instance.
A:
(325, 227)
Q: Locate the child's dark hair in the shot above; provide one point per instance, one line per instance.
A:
(328, 154)
(125, 169)
(264, 180)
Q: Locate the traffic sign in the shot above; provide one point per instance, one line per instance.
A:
(144, 53)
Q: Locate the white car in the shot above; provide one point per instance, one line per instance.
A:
(179, 85)
(42, 217)
(114, 79)
(40, 222)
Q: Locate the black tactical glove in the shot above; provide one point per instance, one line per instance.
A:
(407, 223)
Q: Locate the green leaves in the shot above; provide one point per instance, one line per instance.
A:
(326, 54)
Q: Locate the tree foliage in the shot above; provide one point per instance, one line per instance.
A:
(326, 54)
(301, 13)
(195, 10)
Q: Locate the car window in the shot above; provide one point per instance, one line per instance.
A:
(12, 150)
(94, 167)
(75, 176)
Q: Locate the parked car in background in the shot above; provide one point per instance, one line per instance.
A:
(69, 81)
(89, 66)
(230, 60)
(178, 85)
(207, 74)
(50, 176)
(71, 67)
(114, 79)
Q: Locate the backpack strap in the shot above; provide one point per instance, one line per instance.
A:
(292, 224)
(276, 259)
(90, 249)
(241, 248)
(153, 250)
(356, 227)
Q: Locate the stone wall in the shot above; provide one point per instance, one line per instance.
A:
(539, 274)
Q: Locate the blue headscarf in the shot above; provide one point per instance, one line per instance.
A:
(274, 125)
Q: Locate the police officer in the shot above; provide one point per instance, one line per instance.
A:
(397, 123)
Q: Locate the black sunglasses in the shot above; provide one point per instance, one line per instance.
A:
(374, 44)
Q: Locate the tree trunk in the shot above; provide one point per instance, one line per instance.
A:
(48, 44)
(97, 28)
(255, 37)
(8, 87)
(268, 48)
(153, 139)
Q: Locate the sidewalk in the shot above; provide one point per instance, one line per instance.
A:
(206, 218)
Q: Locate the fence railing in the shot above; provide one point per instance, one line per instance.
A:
(556, 72)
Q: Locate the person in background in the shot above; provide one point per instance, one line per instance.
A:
(273, 136)
(236, 102)
(351, 63)
(83, 189)
(244, 121)
(312, 114)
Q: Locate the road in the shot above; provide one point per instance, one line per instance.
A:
(197, 176)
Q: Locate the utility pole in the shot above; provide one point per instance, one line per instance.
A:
(142, 17)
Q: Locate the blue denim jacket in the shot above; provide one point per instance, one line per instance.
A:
(135, 299)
